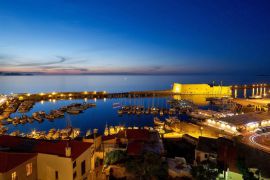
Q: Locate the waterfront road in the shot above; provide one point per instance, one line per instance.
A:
(252, 139)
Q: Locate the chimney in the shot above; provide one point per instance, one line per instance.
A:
(68, 151)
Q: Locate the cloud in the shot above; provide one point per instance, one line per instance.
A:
(61, 59)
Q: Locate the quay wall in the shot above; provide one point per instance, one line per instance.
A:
(201, 89)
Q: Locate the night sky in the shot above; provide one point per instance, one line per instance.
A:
(135, 37)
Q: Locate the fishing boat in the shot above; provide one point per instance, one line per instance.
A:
(120, 112)
(30, 119)
(15, 133)
(158, 122)
(3, 130)
(116, 105)
(50, 117)
(37, 117)
(23, 119)
(9, 120)
(56, 134)
(16, 121)
(73, 111)
(88, 133)
(50, 133)
(161, 113)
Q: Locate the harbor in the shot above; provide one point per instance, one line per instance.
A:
(154, 110)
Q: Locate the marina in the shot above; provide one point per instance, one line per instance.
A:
(140, 109)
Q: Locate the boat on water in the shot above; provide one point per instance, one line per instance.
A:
(161, 113)
(171, 120)
(30, 119)
(73, 111)
(23, 119)
(116, 105)
(37, 117)
(16, 121)
(255, 97)
(50, 117)
(158, 122)
(3, 130)
(15, 133)
(50, 133)
(42, 113)
(120, 112)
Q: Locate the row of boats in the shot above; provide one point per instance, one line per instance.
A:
(111, 130)
(74, 108)
(52, 134)
(139, 110)
(25, 106)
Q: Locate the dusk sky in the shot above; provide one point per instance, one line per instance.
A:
(135, 37)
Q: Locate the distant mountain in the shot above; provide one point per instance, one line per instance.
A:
(15, 74)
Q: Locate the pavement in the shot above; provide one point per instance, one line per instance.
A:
(250, 139)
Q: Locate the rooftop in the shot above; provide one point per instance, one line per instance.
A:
(18, 144)
(11, 160)
(206, 144)
(243, 119)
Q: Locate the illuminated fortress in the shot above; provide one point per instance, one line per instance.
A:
(202, 89)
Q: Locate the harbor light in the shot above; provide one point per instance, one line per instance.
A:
(95, 99)
(41, 94)
(85, 99)
(104, 99)
(85, 92)
(53, 93)
(104, 92)
(95, 92)
(42, 102)
(70, 98)
(54, 100)
(69, 94)
(28, 94)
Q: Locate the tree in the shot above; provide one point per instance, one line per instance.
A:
(247, 174)
(206, 170)
(114, 157)
(149, 166)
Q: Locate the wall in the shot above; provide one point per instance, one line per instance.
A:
(201, 89)
(87, 157)
(21, 171)
(200, 155)
(48, 164)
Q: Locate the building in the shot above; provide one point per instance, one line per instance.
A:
(244, 122)
(16, 166)
(201, 89)
(206, 149)
(59, 160)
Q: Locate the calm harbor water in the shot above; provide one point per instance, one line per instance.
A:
(103, 113)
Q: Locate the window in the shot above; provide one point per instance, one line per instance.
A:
(56, 175)
(83, 167)
(74, 175)
(29, 169)
(74, 164)
(14, 176)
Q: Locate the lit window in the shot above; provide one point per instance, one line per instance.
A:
(14, 176)
(29, 169)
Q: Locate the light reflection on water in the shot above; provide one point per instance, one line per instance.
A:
(104, 113)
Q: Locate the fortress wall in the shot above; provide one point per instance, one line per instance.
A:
(201, 89)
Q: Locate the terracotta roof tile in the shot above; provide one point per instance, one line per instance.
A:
(9, 160)
(43, 146)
